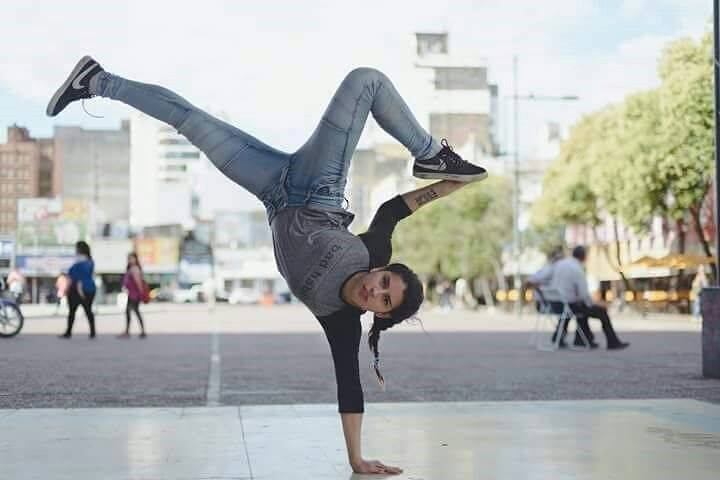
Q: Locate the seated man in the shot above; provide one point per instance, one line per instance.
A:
(569, 279)
(541, 281)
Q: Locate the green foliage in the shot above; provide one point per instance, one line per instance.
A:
(651, 155)
(461, 235)
(687, 117)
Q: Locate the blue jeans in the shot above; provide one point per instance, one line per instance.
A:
(316, 174)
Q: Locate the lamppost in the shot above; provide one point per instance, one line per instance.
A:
(710, 296)
(516, 171)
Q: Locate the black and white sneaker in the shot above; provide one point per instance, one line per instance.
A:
(75, 87)
(448, 165)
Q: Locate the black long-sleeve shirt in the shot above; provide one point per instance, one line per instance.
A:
(343, 328)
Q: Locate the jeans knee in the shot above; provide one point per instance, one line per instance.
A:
(366, 75)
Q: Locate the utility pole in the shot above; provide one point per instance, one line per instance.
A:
(516, 173)
(516, 189)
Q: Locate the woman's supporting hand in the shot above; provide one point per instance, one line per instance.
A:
(375, 466)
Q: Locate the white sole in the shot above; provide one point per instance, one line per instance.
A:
(55, 98)
(450, 176)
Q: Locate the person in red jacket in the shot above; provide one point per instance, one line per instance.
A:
(134, 285)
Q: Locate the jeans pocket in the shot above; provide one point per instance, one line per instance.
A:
(329, 187)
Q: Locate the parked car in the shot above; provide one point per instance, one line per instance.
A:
(244, 296)
(162, 294)
(187, 294)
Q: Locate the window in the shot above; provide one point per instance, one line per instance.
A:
(182, 154)
(174, 141)
(175, 168)
(461, 78)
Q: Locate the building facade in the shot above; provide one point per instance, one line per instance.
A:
(161, 161)
(26, 170)
(463, 105)
(94, 166)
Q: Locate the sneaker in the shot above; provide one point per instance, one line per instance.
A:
(448, 165)
(75, 87)
(618, 346)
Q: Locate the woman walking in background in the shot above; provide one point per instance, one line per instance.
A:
(134, 284)
(82, 288)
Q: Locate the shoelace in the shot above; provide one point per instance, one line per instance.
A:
(449, 156)
(82, 102)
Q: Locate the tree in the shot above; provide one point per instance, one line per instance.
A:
(459, 236)
(686, 106)
(651, 155)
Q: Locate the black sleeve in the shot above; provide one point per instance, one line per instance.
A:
(344, 330)
(378, 237)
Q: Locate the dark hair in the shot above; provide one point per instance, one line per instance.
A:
(413, 297)
(579, 252)
(137, 261)
(83, 248)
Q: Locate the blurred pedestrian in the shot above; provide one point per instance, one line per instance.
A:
(61, 286)
(136, 288)
(699, 282)
(16, 285)
(82, 288)
(444, 290)
(208, 288)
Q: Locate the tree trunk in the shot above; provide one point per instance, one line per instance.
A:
(626, 282)
(680, 227)
(502, 284)
(695, 214)
(487, 293)
(606, 251)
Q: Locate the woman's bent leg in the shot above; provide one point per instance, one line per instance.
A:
(73, 304)
(325, 157)
(244, 159)
(87, 306)
(128, 309)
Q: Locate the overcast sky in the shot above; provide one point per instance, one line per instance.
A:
(271, 65)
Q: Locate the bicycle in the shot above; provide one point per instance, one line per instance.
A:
(11, 318)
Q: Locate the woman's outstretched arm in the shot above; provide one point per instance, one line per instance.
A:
(424, 195)
(352, 428)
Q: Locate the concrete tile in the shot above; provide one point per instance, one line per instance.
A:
(615, 439)
(624, 439)
(110, 444)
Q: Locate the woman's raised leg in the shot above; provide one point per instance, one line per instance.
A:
(325, 157)
(241, 157)
(244, 159)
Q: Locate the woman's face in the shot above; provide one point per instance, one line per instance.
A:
(379, 291)
(132, 259)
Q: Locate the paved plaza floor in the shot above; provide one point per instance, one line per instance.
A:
(596, 439)
(248, 393)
